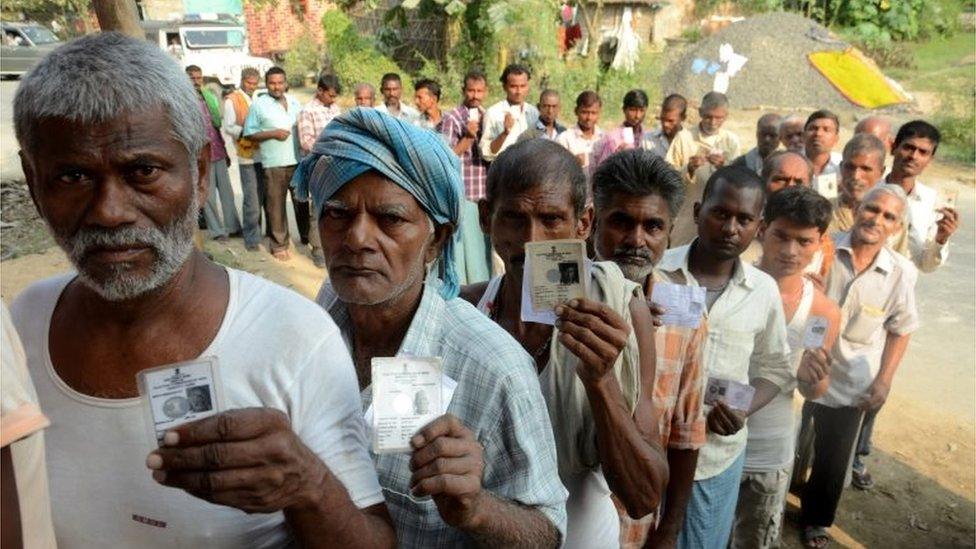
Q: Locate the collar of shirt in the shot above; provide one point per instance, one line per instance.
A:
(675, 260)
(883, 262)
(557, 128)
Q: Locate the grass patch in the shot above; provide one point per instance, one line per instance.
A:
(947, 66)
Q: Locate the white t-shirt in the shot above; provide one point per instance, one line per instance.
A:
(21, 428)
(772, 429)
(275, 349)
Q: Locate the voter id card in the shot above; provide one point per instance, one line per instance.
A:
(826, 185)
(179, 393)
(557, 272)
(947, 198)
(407, 394)
(815, 333)
(735, 395)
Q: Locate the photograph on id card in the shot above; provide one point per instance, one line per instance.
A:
(179, 393)
(735, 395)
(407, 394)
(558, 272)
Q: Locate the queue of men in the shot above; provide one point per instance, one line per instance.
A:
(587, 428)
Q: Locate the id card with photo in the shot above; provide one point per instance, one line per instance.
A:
(947, 198)
(815, 333)
(826, 185)
(407, 394)
(683, 305)
(735, 395)
(558, 272)
(180, 393)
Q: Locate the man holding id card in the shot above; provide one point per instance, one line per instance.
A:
(248, 431)
(875, 289)
(635, 195)
(588, 330)
(794, 221)
(461, 440)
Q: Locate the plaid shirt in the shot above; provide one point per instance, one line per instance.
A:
(679, 385)
(474, 169)
(312, 120)
(497, 397)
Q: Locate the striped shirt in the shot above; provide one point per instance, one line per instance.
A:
(312, 120)
(497, 397)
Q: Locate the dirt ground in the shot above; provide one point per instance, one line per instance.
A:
(924, 461)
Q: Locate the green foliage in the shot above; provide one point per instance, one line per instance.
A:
(303, 57)
(957, 123)
(353, 57)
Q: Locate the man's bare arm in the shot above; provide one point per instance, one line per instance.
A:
(681, 469)
(630, 450)
(510, 524)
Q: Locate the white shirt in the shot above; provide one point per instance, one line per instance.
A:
(407, 113)
(234, 131)
(494, 125)
(829, 178)
(275, 349)
(575, 142)
(927, 254)
(873, 303)
(746, 340)
(772, 429)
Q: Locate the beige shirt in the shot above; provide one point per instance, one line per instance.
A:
(690, 142)
(873, 303)
(21, 426)
(746, 339)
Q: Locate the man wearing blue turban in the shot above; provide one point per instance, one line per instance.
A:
(388, 195)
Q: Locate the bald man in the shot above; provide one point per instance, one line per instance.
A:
(878, 126)
(767, 141)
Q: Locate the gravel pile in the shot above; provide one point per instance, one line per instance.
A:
(777, 74)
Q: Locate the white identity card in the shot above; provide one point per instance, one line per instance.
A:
(735, 395)
(180, 393)
(947, 198)
(826, 185)
(683, 305)
(558, 272)
(815, 333)
(407, 395)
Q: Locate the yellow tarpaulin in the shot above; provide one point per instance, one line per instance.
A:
(857, 78)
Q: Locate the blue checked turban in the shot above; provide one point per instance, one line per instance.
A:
(416, 159)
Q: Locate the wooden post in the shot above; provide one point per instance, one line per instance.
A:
(118, 15)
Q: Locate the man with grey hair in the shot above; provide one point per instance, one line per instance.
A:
(784, 169)
(791, 133)
(861, 168)
(365, 95)
(118, 174)
(767, 141)
(875, 290)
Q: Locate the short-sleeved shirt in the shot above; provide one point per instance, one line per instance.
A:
(746, 339)
(690, 142)
(917, 240)
(266, 113)
(313, 118)
(679, 383)
(406, 112)
(575, 142)
(874, 303)
(21, 428)
(474, 170)
(293, 360)
(497, 397)
(493, 123)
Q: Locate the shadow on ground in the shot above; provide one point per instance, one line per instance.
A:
(904, 509)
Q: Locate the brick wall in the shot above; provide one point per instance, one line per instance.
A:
(273, 28)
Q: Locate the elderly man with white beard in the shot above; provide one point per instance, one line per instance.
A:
(118, 173)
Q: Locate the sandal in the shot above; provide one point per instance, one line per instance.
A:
(862, 480)
(816, 537)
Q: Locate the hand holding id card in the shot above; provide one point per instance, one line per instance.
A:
(180, 393)
(815, 333)
(407, 395)
(735, 395)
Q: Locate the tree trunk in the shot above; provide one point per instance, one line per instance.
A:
(118, 15)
